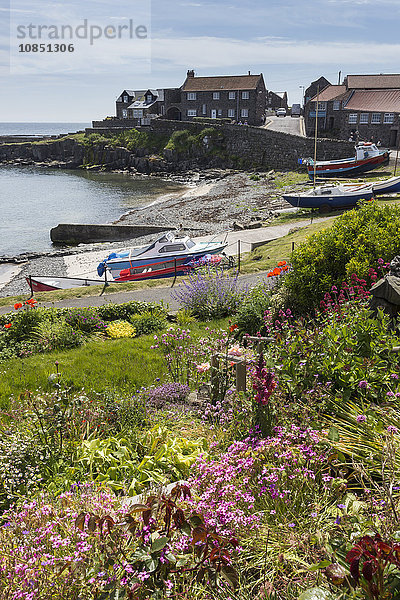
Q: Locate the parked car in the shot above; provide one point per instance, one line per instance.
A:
(281, 112)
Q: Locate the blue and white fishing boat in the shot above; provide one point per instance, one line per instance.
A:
(169, 247)
(328, 197)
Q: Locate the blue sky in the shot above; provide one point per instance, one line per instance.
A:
(290, 42)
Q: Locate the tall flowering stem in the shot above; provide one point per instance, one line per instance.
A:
(263, 385)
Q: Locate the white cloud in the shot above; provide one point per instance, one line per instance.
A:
(213, 52)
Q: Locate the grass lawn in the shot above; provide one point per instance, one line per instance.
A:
(268, 256)
(122, 366)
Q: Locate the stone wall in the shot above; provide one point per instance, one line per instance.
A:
(71, 233)
(255, 146)
(235, 147)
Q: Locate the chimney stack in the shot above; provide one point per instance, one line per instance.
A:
(190, 73)
(249, 73)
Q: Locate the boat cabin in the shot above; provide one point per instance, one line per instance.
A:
(169, 244)
(366, 150)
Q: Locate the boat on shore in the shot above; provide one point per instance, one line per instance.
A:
(329, 197)
(167, 269)
(367, 157)
(158, 255)
(48, 284)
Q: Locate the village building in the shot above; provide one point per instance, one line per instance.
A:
(364, 107)
(236, 98)
(277, 100)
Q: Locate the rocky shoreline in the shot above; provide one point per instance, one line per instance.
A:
(213, 201)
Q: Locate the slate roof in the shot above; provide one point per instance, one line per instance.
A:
(375, 101)
(226, 82)
(331, 92)
(390, 81)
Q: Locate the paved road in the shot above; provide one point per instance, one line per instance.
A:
(291, 125)
(155, 294)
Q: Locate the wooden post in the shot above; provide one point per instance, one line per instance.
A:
(214, 376)
(293, 243)
(238, 255)
(241, 376)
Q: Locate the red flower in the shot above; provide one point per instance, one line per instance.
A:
(270, 274)
(281, 263)
(17, 305)
(7, 325)
(233, 327)
(276, 271)
(31, 302)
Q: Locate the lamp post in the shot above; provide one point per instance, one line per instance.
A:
(302, 87)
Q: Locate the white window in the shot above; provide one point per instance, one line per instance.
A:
(149, 98)
(231, 112)
(353, 118)
(192, 112)
(376, 118)
(215, 95)
(388, 117)
(124, 113)
(125, 98)
(220, 112)
(137, 113)
(321, 105)
(204, 109)
(244, 112)
(232, 95)
(245, 95)
(336, 105)
(364, 118)
(191, 96)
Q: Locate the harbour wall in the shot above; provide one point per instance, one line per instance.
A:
(233, 146)
(73, 234)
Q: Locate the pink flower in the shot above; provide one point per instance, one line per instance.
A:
(235, 351)
(203, 367)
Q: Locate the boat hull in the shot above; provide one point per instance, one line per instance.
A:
(169, 269)
(116, 265)
(48, 284)
(327, 202)
(347, 167)
(390, 186)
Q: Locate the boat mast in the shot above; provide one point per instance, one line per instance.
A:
(315, 139)
(397, 153)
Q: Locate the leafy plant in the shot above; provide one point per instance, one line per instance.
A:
(355, 241)
(148, 322)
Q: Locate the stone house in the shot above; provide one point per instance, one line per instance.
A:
(277, 100)
(366, 107)
(236, 97)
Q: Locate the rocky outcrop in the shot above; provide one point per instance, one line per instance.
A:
(224, 147)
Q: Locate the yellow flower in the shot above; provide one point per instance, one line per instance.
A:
(120, 329)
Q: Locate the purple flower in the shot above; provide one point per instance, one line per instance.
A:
(392, 429)
(363, 384)
(361, 418)
(390, 394)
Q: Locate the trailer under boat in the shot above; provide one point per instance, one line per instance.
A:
(367, 157)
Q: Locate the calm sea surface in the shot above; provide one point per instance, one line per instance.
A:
(34, 199)
(41, 128)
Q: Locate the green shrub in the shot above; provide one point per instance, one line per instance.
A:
(250, 316)
(86, 320)
(353, 244)
(48, 336)
(147, 322)
(114, 312)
